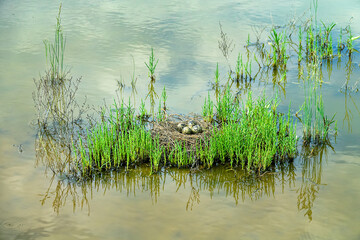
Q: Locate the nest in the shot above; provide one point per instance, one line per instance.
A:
(168, 134)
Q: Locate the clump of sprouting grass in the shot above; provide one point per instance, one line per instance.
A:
(323, 123)
(208, 109)
(156, 154)
(152, 65)
(225, 106)
(179, 155)
(251, 136)
(316, 125)
(308, 110)
(278, 44)
(243, 70)
(325, 40)
(118, 141)
(162, 106)
(55, 52)
(255, 137)
(143, 112)
(350, 40)
(216, 83)
(319, 42)
(247, 70)
(309, 41)
(314, 43)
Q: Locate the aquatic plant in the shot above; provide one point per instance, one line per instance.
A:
(350, 40)
(254, 137)
(251, 134)
(316, 125)
(55, 52)
(152, 65)
(207, 109)
(325, 46)
(300, 57)
(217, 74)
(238, 67)
(249, 71)
(162, 106)
(119, 141)
(244, 70)
(226, 45)
(248, 40)
(152, 94)
(224, 106)
(340, 45)
(143, 112)
(278, 44)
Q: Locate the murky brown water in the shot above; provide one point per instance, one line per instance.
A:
(315, 197)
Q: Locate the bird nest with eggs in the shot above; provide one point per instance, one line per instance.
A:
(177, 128)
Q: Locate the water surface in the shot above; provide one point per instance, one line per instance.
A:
(315, 197)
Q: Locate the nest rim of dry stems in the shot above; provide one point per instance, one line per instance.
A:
(166, 131)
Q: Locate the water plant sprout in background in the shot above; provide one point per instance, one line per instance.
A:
(152, 65)
(55, 52)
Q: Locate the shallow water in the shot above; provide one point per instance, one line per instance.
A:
(314, 197)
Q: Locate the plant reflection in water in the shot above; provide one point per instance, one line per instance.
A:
(237, 184)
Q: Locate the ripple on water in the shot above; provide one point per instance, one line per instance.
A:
(15, 224)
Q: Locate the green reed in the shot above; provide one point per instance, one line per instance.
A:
(55, 52)
(217, 74)
(316, 125)
(162, 106)
(248, 40)
(300, 35)
(156, 154)
(278, 45)
(238, 67)
(350, 40)
(164, 98)
(325, 46)
(319, 42)
(143, 113)
(252, 134)
(315, 42)
(118, 141)
(308, 110)
(255, 136)
(225, 106)
(208, 109)
(243, 70)
(152, 65)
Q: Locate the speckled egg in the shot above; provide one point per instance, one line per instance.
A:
(187, 130)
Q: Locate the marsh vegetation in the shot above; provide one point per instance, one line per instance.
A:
(238, 129)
